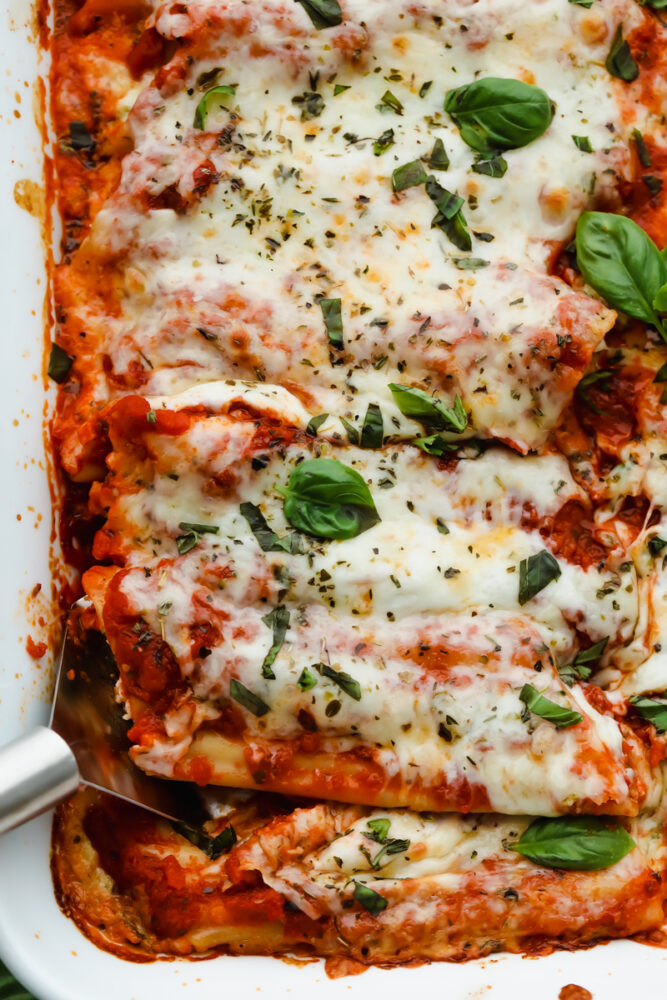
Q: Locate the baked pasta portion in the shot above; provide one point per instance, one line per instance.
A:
(361, 322)
(356, 885)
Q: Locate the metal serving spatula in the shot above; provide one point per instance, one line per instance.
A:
(86, 742)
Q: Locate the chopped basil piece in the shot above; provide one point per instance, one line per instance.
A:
(333, 320)
(388, 100)
(661, 374)
(344, 681)
(323, 13)
(312, 105)
(583, 143)
(327, 499)
(441, 526)
(209, 98)
(268, 540)
(392, 846)
(151, 417)
(653, 183)
(495, 114)
(579, 670)
(438, 159)
(429, 411)
(652, 710)
(656, 545)
(193, 532)
(278, 620)
(213, 847)
(579, 843)
(80, 137)
(379, 829)
(434, 444)
(493, 166)
(600, 376)
(470, 263)
(372, 432)
(425, 87)
(447, 203)
(582, 3)
(247, 698)
(642, 151)
(409, 175)
(350, 430)
(383, 142)
(535, 573)
(619, 62)
(622, 263)
(369, 898)
(306, 680)
(339, 88)
(315, 423)
(561, 717)
(60, 363)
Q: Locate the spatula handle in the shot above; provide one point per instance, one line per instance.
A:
(37, 772)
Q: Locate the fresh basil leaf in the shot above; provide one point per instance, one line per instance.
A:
(383, 142)
(312, 105)
(306, 680)
(654, 4)
(278, 621)
(323, 13)
(390, 101)
(379, 829)
(434, 444)
(247, 698)
(535, 573)
(429, 411)
(578, 843)
(60, 363)
(642, 152)
(561, 717)
(652, 710)
(438, 159)
(660, 300)
(369, 898)
(495, 114)
(327, 499)
(333, 320)
(493, 166)
(409, 175)
(213, 847)
(583, 143)
(344, 681)
(315, 423)
(622, 263)
(656, 545)
(470, 263)
(372, 432)
(209, 98)
(193, 532)
(619, 62)
(661, 374)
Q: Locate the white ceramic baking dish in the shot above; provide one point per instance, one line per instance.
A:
(42, 947)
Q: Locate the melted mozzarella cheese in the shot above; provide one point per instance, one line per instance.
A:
(303, 208)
